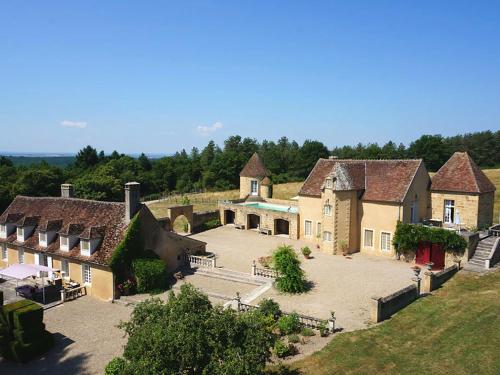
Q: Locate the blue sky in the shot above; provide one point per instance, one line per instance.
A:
(158, 76)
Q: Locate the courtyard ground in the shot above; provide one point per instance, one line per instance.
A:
(86, 339)
(340, 284)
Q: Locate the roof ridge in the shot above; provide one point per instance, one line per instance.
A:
(365, 160)
(470, 163)
(69, 199)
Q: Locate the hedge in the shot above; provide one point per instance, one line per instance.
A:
(150, 274)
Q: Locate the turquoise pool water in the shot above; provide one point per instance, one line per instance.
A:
(273, 207)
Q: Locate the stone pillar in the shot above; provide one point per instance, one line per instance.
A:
(427, 284)
(254, 268)
(63, 295)
(375, 309)
(132, 200)
(331, 322)
(67, 191)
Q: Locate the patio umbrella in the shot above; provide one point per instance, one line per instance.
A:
(23, 271)
(457, 219)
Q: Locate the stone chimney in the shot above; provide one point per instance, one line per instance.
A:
(67, 191)
(132, 200)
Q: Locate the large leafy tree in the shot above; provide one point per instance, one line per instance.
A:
(187, 335)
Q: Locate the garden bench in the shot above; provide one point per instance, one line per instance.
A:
(265, 231)
(239, 226)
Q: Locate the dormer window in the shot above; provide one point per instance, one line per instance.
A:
(42, 239)
(85, 247)
(329, 183)
(64, 243)
(3, 231)
(20, 234)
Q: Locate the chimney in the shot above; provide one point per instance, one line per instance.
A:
(132, 200)
(67, 191)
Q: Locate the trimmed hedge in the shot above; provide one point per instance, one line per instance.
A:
(23, 352)
(8, 310)
(151, 274)
(29, 317)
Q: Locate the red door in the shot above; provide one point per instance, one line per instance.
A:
(437, 256)
(423, 253)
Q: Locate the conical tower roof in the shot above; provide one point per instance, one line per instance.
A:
(255, 168)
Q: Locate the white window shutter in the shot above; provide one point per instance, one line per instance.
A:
(49, 264)
(37, 261)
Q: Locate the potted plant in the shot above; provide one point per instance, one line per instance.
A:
(306, 252)
(343, 246)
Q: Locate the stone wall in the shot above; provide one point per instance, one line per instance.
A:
(485, 210)
(384, 307)
(200, 218)
(466, 204)
(433, 280)
(267, 217)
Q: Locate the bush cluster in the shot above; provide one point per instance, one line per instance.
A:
(291, 277)
(289, 324)
(22, 331)
(282, 349)
(150, 274)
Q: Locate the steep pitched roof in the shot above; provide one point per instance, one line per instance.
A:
(85, 218)
(254, 168)
(381, 180)
(461, 174)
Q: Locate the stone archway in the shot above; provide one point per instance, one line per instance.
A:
(253, 221)
(175, 212)
(229, 217)
(281, 226)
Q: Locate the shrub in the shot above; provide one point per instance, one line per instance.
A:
(294, 338)
(115, 367)
(150, 274)
(323, 329)
(29, 317)
(306, 251)
(289, 324)
(129, 249)
(307, 332)
(283, 350)
(211, 224)
(290, 276)
(23, 352)
(269, 307)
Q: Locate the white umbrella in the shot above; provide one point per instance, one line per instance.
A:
(457, 219)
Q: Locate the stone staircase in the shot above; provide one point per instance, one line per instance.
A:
(482, 253)
(230, 275)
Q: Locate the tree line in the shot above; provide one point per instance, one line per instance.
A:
(102, 177)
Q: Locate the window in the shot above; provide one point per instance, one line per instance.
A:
(3, 231)
(65, 268)
(449, 211)
(368, 239)
(43, 261)
(20, 256)
(329, 183)
(327, 209)
(308, 228)
(385, 241)
(4, 252)
(327, 236)
(85, 247)
(86, 274)
(64, 243)
(42, 238)
(254, 187)
(318, 229)
(20, 234)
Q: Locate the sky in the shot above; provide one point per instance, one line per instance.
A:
(159, 76)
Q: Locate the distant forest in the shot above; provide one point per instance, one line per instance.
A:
(99, 176)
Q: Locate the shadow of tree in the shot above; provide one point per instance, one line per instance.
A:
(55, 361)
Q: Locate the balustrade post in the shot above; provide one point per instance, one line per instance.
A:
(254, 269)
(331, 322)
(238, 299)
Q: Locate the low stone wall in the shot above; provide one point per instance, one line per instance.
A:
(200, 218)
(384, 307)
(284, 202)
(494, 257)
(433, 280)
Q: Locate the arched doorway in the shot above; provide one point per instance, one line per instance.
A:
(253, 221)
(181, 224)
(281, 226)
(229, 216)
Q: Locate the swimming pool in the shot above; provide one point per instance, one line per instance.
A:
(273, 207)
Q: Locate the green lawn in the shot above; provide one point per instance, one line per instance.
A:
(454, 331)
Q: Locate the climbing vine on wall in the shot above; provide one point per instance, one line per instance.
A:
(408, 236)
(129, 249)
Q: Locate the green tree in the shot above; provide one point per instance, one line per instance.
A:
(87, 158)
(187, 335)
(291, 278)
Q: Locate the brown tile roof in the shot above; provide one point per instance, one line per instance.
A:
(28, 221)
(461, 174)
(11, 218)
(90, 217)
(381, 180)
(72, 229)
(50, 225)
(254, 168)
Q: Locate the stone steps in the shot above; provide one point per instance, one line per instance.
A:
(230, 275)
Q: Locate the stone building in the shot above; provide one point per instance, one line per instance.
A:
(79, 236)
(346, 206)
(461, 194)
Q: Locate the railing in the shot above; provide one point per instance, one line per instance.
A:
(201, 261)
(495, 230)
(264, 272)
(305, 320)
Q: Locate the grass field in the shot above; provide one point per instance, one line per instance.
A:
(455, 331)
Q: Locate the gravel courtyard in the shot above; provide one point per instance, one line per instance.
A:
(341, 284)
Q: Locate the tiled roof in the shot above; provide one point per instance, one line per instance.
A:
(381, 180)
(75, 216)
(28, 221)
(50, 225)
(461, 174)
(254, 168)
(11, 218)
